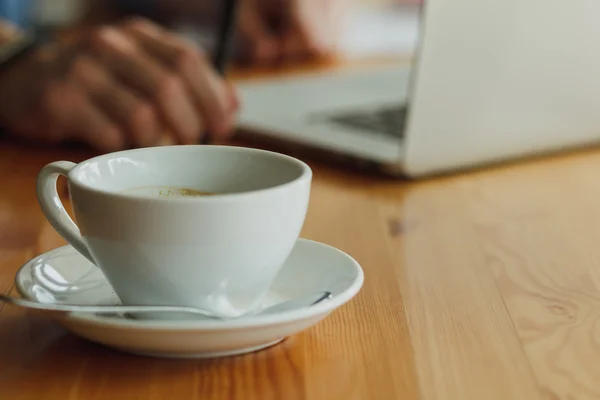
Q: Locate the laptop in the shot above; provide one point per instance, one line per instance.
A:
(489, 81)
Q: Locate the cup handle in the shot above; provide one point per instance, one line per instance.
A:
(53, 208)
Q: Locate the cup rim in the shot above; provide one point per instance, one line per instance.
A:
(305, 175)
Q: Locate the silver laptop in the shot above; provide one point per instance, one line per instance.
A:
(490, 81)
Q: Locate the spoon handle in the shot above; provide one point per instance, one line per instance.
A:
(67, 308)
(304, 301)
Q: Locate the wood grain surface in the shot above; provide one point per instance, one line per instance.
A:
(483, 285)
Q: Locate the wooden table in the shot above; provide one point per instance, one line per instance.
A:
(483, 285)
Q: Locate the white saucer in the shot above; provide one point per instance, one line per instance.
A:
(64, 276)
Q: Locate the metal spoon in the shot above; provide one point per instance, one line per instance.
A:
(303, 301)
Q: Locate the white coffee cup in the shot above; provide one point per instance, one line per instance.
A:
(158, 246)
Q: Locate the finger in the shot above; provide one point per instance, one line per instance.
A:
(234, 105)
(123, 106)
(70, 114)
(234, 97)
(144, 73)
(90, 125)
(208, 90)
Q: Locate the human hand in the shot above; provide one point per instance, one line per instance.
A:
(280, 30)
(121, 86)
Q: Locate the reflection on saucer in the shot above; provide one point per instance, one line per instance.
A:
(64, 276)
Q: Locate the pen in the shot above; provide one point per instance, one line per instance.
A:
(224, 42)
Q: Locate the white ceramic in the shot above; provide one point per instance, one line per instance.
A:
(64, 276)
(220, 253)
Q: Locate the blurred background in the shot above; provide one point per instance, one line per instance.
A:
(353, 28)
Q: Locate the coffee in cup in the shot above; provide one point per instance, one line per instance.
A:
(168, 191)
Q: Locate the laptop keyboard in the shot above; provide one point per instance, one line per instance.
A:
(387, 120)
